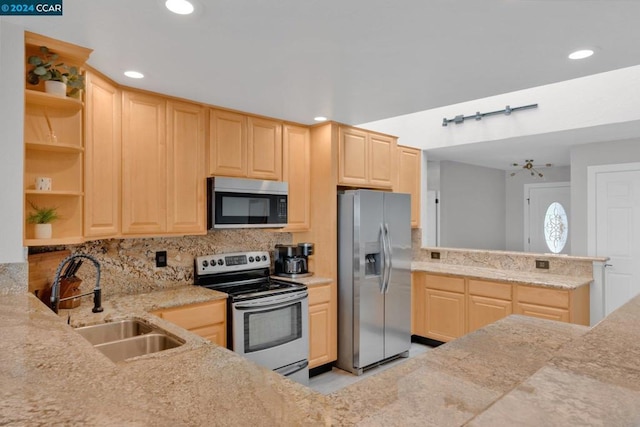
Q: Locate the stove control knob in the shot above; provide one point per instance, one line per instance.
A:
(205, 263)
(250, 259)
(212, 263)
(264, 257)
(220, 262)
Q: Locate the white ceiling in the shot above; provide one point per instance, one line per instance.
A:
(353, 61)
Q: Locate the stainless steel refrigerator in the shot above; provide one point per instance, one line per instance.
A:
(374, 278)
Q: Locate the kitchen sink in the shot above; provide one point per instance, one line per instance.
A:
(128, 338)
(137, 346)
(114, 331)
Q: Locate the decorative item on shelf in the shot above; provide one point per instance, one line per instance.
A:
(51, 138)
(56, 76)
(42, 218)
(43, 183)
(530, 167)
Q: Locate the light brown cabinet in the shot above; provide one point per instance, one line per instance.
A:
(144, 164)
(365, 159)
(408, 181)
(54, 148)
(244, 146)
(207, 320)
(296, 171)
(162, 166)
(323, 340)
(102, 157)
(447, 307)
(487, 303)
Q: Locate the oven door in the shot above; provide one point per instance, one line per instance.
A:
(272, 331)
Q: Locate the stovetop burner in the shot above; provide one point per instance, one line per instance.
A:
(242, 275)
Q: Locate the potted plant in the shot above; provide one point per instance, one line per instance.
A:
(56, 76)
(42, 218)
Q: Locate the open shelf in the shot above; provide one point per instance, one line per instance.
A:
(62, 148)
(47, 100)
(54, 193)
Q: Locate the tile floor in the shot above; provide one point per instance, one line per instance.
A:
(334, 380)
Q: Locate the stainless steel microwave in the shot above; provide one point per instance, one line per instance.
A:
(246, 203)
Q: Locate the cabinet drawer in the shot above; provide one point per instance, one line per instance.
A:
(490, 289)
(543, 296)
(319, 294)
(444, 283)
(197, 315)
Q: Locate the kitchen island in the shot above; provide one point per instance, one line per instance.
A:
(517, 371)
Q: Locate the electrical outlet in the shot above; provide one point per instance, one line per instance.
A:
(542, 264)
(435, 255)
(161, 258)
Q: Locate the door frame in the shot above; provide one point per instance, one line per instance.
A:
(527, 188)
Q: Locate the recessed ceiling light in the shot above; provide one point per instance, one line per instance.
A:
(581, 54)
(134, 74)
(320, 119)
(181, 7)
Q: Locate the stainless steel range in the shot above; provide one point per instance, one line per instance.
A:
(267, 319)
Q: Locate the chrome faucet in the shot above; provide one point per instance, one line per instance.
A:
(55, 288)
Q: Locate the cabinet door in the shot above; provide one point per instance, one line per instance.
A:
(542, 312)
(144, 164)
(102, 158)
(444, 315)
(483, 311)
(185, 174)
(264, 149)
(417, 304)
(409, 179)
(207, 319)
(382, 159)
(296, 172)
(352, 157)
(323, 339)
(227, 144)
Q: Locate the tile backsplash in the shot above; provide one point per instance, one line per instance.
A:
(129, 266)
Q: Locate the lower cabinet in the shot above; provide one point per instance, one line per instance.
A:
(447, 307)
(206, 319)
(323, 340)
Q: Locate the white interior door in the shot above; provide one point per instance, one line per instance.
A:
(617, 230)
(547, 213)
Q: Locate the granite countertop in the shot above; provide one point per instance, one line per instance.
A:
(517, 371)
(517, 277)
(50, 375)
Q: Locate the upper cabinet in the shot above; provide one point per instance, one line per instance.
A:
(296, 170)
(162, 166)
(365, 159)
(409, 179)
(54, 149)
(102, 157)
(244, 146)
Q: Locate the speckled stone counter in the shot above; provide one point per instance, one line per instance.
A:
(518, 277)
(49, 375)
(517, 371)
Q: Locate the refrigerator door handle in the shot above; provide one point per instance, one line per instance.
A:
(388, 259)
(383, 273)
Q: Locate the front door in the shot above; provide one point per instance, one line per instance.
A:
(617, 230)
(547, 212)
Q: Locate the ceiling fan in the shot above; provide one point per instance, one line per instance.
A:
(529, 166)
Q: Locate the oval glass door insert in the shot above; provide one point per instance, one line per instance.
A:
(556, 227)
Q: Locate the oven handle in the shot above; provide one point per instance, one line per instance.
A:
(293, 368)
(277, 303)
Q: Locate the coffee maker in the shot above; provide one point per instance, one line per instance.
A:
(293, 260)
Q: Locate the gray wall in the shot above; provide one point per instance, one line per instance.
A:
(472, 206)
(583, 156)
(514, 204)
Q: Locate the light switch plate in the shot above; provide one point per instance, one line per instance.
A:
(435, 255)
(161, 258)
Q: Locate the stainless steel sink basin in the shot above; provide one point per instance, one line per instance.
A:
(128, 338)
(114, 331)
(137, 346)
